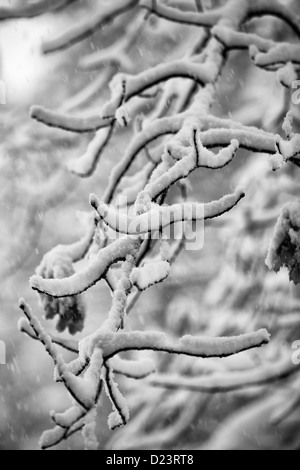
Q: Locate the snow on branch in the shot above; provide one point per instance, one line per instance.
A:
(259, 141)
(159, 218)
(224, 382)
(67, 419)
(89, 276)
(193, 157)
(87, 163)
(150, 274)
(124, 87)
(265, 53)
(163, 127)
(32, 9)
(239, 40)
(87, 27)
(277, 56)
(68, 122)
(259, 8)
(207, 19)
(68, 423)
(116, 343)
(81, 390)
(237, 11)
(120, 415)
(35, 326)
(116, 55)
(68, 345)
(83, 124)
(54, 437)
(142, 139)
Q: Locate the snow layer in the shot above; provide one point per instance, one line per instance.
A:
(150, 274)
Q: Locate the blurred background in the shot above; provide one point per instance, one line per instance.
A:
(223, 289)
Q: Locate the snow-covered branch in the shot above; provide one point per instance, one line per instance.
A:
(120, 415)
(87, 27)
(116, 343)
(89, 276)
(161, 217)
(87, 163)
(238, 11)
(224, 382)
(32, 9)
(68, 345)
(124, 88)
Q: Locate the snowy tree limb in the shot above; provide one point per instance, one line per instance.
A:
(238, 11)
(115, 343)
(68, 345)
(93, 273)
(88, 27)
(158, 218)
(33, 9)
(225, 382)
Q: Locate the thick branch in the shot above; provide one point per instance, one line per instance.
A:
(89, 276)
(112, 344)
